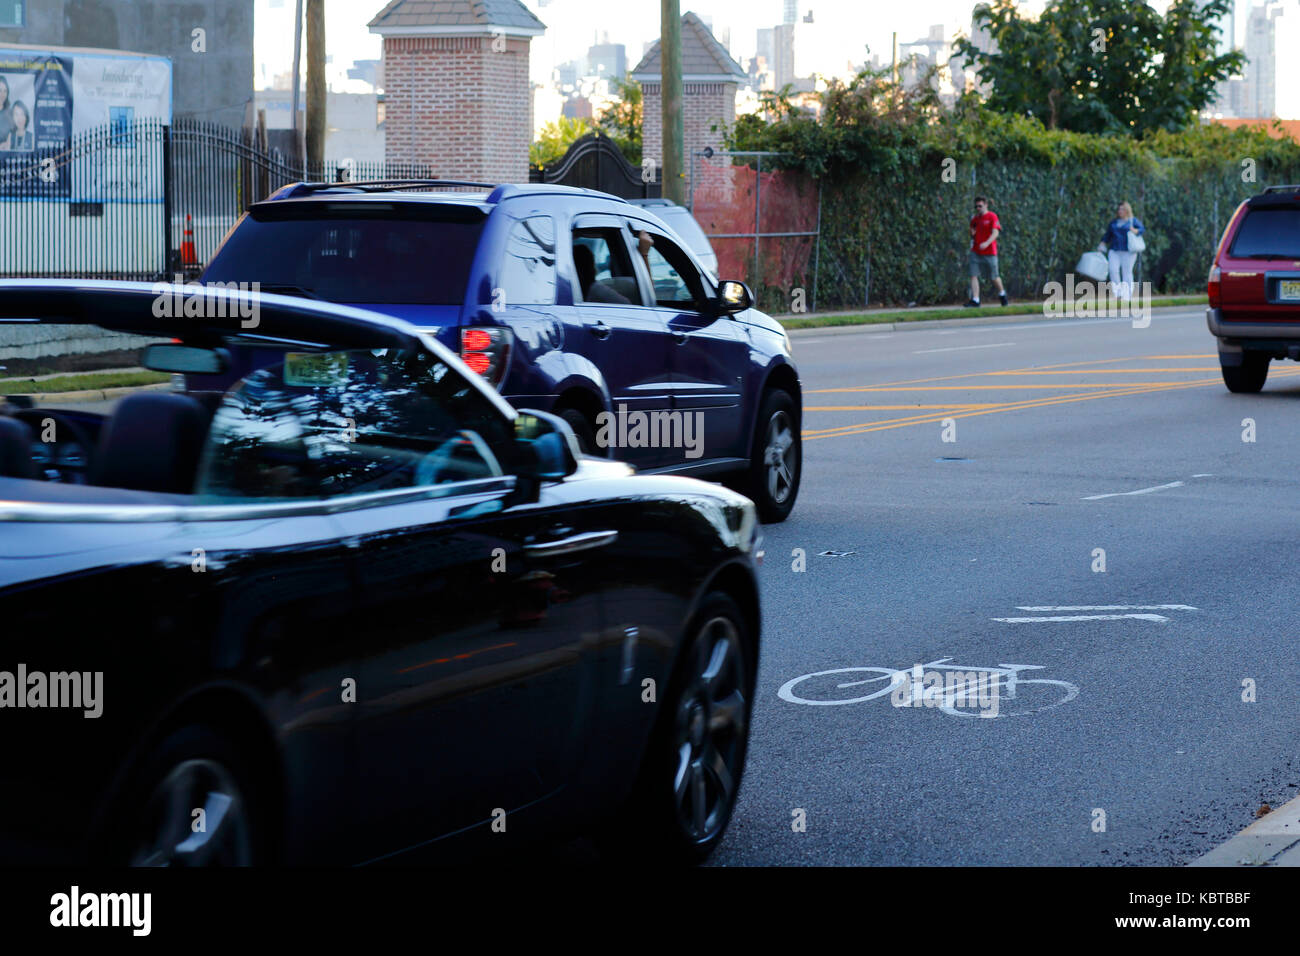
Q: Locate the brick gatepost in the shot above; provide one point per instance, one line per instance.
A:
(710, 78)
(456, 87)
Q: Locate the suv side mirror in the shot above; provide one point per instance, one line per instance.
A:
(733, 297)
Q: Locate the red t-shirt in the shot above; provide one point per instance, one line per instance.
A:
(981, 227)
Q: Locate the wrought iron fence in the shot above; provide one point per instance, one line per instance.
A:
(145, 200)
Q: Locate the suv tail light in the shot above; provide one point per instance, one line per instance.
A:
(1212, 287)
(486, 350)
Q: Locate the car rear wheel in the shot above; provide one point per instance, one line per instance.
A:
(194, 769)
(1250, 375)
(690, 777)
(776, 458)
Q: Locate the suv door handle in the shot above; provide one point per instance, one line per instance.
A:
(579, 542)
(600, 330)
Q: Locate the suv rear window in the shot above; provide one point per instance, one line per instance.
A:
(366, 256)
(1268, 233)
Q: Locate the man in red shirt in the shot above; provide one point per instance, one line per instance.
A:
(983, 256)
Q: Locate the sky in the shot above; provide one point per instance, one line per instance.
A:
(846, 28)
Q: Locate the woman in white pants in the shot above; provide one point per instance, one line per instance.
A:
(1119, 256)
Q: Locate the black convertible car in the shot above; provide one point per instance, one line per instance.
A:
(354, 608)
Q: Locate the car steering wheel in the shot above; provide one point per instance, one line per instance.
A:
(66, 459)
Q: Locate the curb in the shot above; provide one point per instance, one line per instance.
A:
(957, 321)
(91, 394)
(1272, 840)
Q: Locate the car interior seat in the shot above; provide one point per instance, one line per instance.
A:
(152, 442)
(16, 440)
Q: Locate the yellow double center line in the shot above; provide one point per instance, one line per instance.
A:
(962, 410)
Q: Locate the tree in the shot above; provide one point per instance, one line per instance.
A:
(1103, 66)
(556, 138)
(621, 121)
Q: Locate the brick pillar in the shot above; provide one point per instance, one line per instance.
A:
(459, 104)
(706, 104)
(652, 125)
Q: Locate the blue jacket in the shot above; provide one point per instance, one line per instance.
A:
(1117, 233)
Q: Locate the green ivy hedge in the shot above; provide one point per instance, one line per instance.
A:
(912, 231)
(899, 174)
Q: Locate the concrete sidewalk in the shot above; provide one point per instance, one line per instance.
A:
(1272, 840)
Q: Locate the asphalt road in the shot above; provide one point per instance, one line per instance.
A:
(1158, 757)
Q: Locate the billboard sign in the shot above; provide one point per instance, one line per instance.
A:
(50, 97)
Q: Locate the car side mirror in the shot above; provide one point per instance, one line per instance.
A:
(733, 297)
(548, 449)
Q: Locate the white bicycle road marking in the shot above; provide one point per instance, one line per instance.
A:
(1006, 684)
(1106, 607)
(1066, 618)
(1157, 618)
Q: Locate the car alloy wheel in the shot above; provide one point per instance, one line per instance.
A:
(780, 457)
(709, 733)
(772, 478)
(169, 837)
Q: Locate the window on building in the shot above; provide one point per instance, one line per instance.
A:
(13, 13)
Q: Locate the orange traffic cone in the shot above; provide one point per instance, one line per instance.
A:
(187, 244)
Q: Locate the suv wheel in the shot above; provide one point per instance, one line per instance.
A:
(1250, 375)
(776, 458)
(581, 428)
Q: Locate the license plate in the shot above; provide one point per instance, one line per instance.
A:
(1288, 290)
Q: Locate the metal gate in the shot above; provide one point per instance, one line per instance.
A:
(145, 200)
(595, 162)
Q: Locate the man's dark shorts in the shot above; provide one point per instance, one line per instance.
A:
(984, 267)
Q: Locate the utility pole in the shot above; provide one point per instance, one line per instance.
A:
(298, 140)
(315, 85)
(670, 84)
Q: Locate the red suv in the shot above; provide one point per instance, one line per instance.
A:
(1254, 288)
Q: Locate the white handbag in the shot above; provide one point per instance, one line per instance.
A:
(1136, 243)
(1093, 265)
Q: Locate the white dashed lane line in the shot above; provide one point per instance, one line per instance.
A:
(963, 348)
(1141, 491)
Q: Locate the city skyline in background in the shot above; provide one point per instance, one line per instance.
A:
(831, 38)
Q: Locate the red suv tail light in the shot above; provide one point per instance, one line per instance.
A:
(1212, 287)
(486, 350)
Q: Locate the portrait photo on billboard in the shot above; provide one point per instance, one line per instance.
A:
(17, 95)
(35, 122)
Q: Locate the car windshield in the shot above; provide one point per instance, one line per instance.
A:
(1268, 233)
(358, 258)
